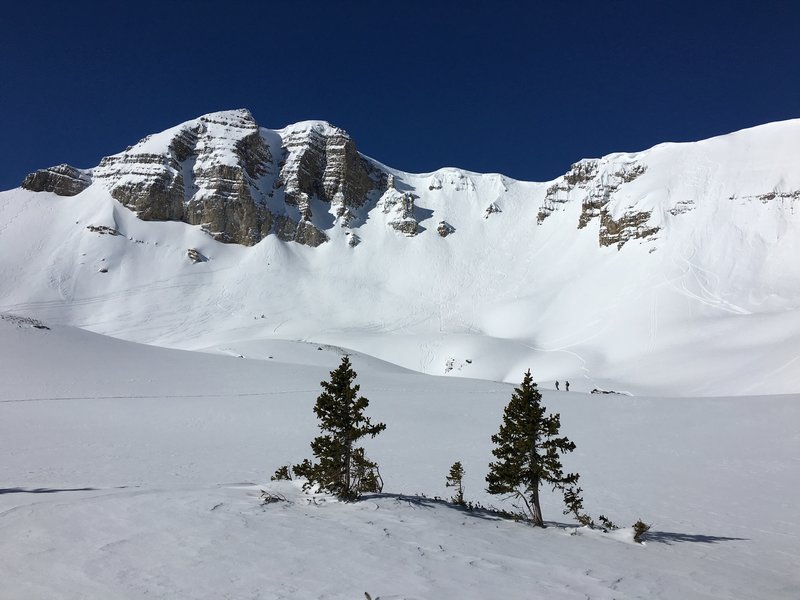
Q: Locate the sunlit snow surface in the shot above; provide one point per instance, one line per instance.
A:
(709, 306)
(132, 471)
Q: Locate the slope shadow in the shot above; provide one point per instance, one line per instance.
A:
(479, 512)
(19, 490)
(671, 537)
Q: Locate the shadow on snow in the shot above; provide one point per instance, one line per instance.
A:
(480, 512)
(490, 513)
(18, 490)
(671, 537)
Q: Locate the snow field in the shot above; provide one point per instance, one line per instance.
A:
(175, 447)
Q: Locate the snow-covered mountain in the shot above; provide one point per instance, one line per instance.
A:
(671, 270)
(133, 470)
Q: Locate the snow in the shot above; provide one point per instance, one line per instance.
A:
(714, 297)
(135, 471)
(139, 429)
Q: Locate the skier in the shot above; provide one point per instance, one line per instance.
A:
(556, 386)
(567, 384)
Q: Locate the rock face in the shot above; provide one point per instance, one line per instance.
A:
(63, 180)
(322, 161)
(240, 182)
(399, 208)
(631, 225)
(203, 173)
(594, 182)
(236, 180)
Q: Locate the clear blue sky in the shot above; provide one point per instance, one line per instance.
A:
(521, 88)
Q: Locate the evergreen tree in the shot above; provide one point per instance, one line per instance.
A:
(455, 479)
(342, 468)
(528, 451)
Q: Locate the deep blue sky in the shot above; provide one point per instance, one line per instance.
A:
(522, 88)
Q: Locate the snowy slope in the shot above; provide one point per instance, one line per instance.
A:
(704, 302)
(132, 471)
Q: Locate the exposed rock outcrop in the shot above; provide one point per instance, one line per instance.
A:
(444, 228)
(774, 195)
(102, 229)
(491, 209)
(631, 225)
(400, 210)
(203, 172)
(322, 161)
(240, 183)
(353, 239)
(196, 256)
(682, 207)
(219, 172)
(593, 182)
(302, 232)
(63, 180)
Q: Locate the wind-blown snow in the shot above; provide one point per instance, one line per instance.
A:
(132, 471)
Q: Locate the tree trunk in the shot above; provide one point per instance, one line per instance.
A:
(347, 468)
(536, 509)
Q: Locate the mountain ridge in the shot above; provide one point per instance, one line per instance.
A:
(670, 270)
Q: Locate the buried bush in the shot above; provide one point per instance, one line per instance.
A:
(608, 524)
(283, 473)
(639, 529)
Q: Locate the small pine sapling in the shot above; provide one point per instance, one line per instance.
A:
(455, 479)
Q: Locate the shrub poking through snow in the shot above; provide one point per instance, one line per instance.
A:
(455, 480)
(528, 451)
(283, 473)
(608, 524)
(639, 529)
(573, 501)
(272, 497)
(342, 469)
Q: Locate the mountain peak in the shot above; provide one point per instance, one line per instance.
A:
(609, 270)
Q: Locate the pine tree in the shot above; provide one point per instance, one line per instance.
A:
(342, 468)
(455, 479)
(528, 451)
